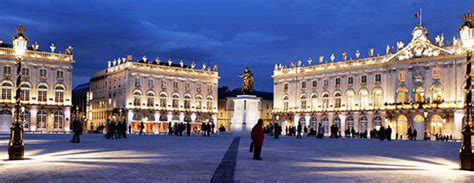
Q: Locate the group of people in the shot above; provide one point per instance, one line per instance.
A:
(207, 128)
(179, 128)
(116, 130)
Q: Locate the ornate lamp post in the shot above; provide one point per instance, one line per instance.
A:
(467, 37)
(16, 146)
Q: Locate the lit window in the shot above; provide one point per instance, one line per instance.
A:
(363, 79)
(338, 82)
(378, 78)
(350, 80)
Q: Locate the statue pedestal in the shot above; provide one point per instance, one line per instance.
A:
(246, 114)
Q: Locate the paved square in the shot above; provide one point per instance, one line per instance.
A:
(195, 159)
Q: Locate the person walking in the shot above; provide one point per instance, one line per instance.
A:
(414, 134)
(188, 128)
(77, 130)
(142, 126)
(130, 129)
(298, 135)
(389, 133)
(257, 138)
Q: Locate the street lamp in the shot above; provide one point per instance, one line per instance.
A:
(467, 37)
(16, 146)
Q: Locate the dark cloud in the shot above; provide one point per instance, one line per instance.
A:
(236, 34)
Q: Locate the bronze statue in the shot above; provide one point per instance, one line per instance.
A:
(247, 84)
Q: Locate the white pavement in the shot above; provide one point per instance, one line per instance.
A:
(95, 159)
(351, 160)
(194, 159)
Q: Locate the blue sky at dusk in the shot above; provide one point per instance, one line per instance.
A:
(232, 34)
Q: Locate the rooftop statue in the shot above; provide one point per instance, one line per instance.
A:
(247, 84)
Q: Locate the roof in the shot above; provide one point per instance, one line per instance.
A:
(163, 63)
(225, 92)
(84, 86)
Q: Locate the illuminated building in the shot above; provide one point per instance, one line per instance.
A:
(45, 87)
(155, 92)
(417, 85)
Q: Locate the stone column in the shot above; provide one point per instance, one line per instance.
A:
(458, 115)
(343, 117)
(356, 121)
(33, 120)
(67, 119)
(370, 122)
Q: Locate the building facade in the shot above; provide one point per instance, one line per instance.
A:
(155, 92)
(80, 102)
(45, 86)
(226, 106)
(417, 85)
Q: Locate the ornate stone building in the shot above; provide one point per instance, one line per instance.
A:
(45, 87)
(417, 85)
(155, 92)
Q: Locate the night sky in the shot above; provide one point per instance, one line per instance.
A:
(233, 35)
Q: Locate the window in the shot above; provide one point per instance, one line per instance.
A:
(325, 101)
(7, 71)
(137, 82)
(42, 95)
(198, 102)
(198, 89)
(378, 98)
(419, 94)
(364, 99)
(58, 120)
(314, 101)
(163, 84)
(187, 102)
(315, 84)
(175, 85)
(163, 101)
(338, 82)
(350, 80)
(24, 92)
(150, 83)
(60, 74)
(25, 72)
(303, 85)
(41, 118)
(150, 101)
(43, 73)
(402, 94)
(326, 82)
(175, 102)
(187, 86)
(59, 94)
(338, 99)
(209, 88)
(209, 102)
(25, 116)
(437, 93)
(285, 87)
(350, 99)
(6, 91)
(363, 79)
(436, 73)
(285, 103)
(378, 78)
(303, 102)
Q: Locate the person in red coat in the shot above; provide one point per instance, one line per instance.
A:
(257, 138)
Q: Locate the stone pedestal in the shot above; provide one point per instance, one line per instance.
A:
(246, 114)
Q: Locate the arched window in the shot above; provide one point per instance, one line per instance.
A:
(350, 99)
(313, 122)
(187, 101)
(325, 124)
(303, 102)
(419, 94)
(41, 119)
(314, 100)
(325, 100)
(378, 97)
(285, 103)
(59, 94)
(42, 93)
(337, 98)
(402, 94)
(350, 122)
(377, 122)
(209, 102)
(25, 116)
(364, 98)
(6, 91)
(137, 98)
(150, 101)
(163, 99)
(58, 120)
(337, 122)
(198, 102)
(175, 101)
(25, 92)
